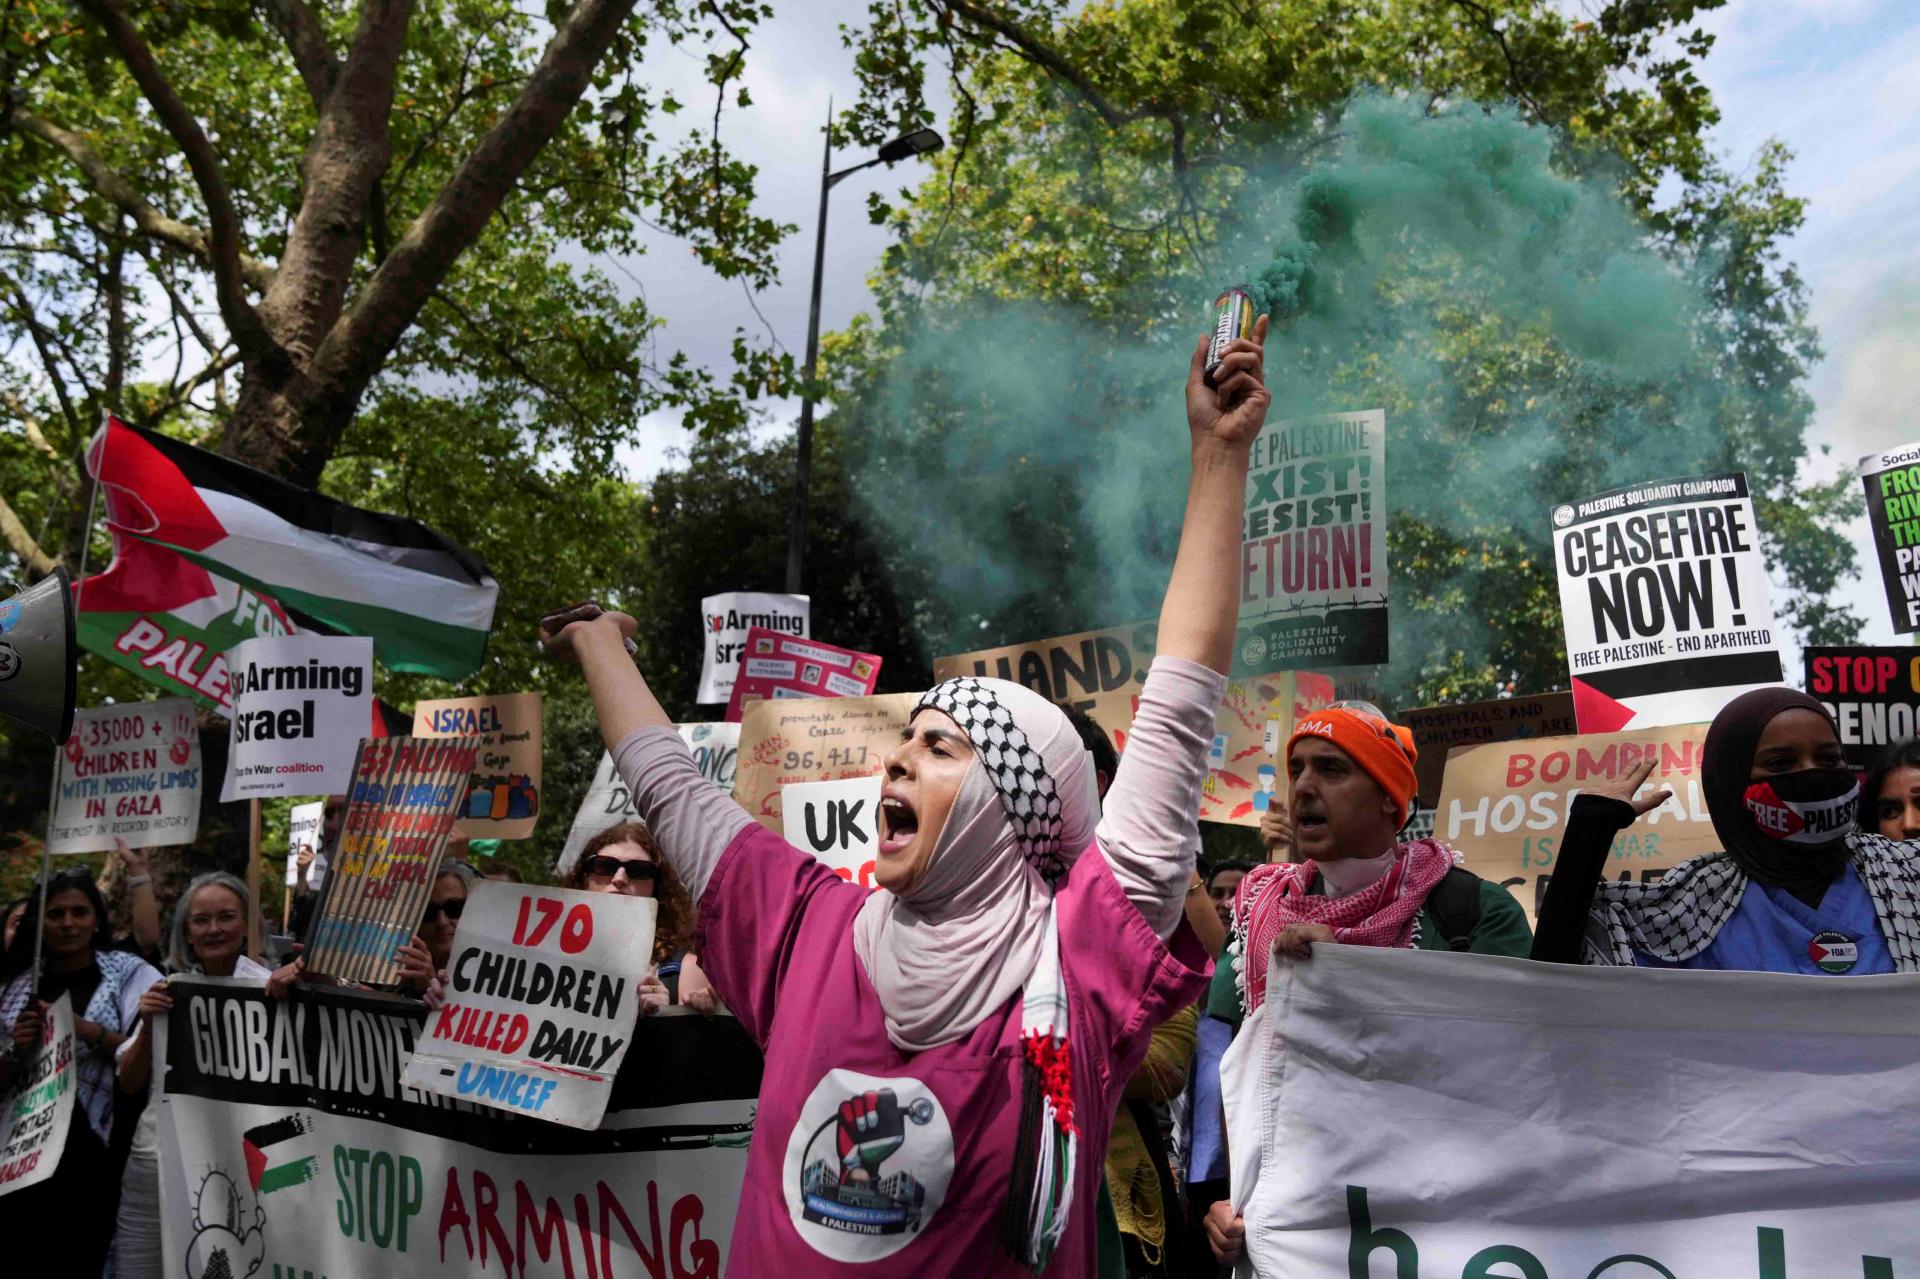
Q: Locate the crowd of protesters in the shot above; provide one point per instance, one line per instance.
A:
(1046, 945)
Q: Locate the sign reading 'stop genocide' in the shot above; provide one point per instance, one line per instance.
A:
(1663, 590)
(1873, 694)
(1892, 481)
(1313, 572)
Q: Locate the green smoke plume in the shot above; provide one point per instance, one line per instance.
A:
(1528, 342)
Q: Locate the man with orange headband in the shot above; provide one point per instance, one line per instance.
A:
(1352, 789)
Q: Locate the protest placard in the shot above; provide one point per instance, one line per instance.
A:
(287, 1132)
(1504, 805)
(542, 996)
(37, 1109)
(1433, 1115)
(838, 822)
(1439, 729)
(1664, 595)
(1313, 553)
(818, 740)
(1873, 694)
(716, 751)
(782, 666)
(128, 772)
(405, 794)
(503, 795)
(1100, 673)
(725, 621)
(301, 704)
(304, 824)
(1892, 484)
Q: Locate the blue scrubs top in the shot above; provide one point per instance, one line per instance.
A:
(1772, 931)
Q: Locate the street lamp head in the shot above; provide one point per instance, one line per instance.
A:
(919, 142)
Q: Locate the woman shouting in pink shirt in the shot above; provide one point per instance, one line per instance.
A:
(945, 1055)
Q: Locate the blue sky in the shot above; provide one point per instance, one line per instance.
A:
(1837, 80)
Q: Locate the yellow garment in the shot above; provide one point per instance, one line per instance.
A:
(1132, 1179)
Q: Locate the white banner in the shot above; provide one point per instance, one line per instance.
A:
(129, 772)
(1664, 595)
(304, 824)
(724, 623)
(301, 704)
(542, 996)
(289, 1141)
(716, 749)
(1398, 1112)
(838, 822)
(36, 1112)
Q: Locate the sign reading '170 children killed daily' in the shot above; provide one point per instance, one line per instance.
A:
(542, 997)
(1313, 552)
(1663, 590)
(300, 706)
(128, 772)
(1892, 482)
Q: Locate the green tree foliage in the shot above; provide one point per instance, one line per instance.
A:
(1113, 165)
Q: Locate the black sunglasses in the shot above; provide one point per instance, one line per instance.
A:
(451, 909)
(639, 871)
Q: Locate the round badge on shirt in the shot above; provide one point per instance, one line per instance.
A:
(867, 1166)
(1833, 952)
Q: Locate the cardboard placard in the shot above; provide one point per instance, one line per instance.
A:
(1892, 484)
(716, 750)
(1504, 805)
(1101, 672)
(1313, 554)
(39, 1107)
(726, 619)
(819, 740)
(1440, 729)
(301, 704)
(128, 772)
(542, 997)
(785, 666)
(1665, 598)
(1873, 694)
(401, 807)
(838, 822)
(503, 795)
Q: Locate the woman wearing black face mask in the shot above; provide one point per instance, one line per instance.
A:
(1800, 888)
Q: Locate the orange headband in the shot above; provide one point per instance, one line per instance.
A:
(1383, 751)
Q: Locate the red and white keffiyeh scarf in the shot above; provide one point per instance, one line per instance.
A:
(1382, 914)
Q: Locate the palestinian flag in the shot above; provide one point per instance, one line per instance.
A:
(426, 602)
(263, 1173)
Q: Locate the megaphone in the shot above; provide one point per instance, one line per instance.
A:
(37, 656)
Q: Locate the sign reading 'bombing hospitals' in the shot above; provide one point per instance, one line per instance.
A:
(1664, 594)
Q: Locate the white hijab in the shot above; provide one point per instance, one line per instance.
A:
(958, 945)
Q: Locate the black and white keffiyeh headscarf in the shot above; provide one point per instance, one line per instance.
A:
(1014, 764)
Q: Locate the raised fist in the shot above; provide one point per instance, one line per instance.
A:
(872, 1126)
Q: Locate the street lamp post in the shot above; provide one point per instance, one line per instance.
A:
(918, 142)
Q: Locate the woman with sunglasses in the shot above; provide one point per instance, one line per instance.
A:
(103, 986)
(209, 937)
(621, 860)
(948, 1052)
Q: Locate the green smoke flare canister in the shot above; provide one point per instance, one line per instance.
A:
(1232, 319)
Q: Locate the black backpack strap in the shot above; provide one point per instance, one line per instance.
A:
(1455, 903)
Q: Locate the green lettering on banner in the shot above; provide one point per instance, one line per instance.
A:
(1365, 1241)
(1630, 1259)
(1503, 1254)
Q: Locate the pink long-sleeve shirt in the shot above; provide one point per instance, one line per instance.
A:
(863, 1153)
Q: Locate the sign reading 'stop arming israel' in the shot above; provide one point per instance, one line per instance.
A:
(1663, 591)
(1892, 482)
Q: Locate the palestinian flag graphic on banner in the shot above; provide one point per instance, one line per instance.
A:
(426, 602)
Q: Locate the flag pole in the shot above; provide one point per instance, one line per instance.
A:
(253, 876)
(59, 748)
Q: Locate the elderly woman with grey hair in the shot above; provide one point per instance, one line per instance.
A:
(209, 938)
